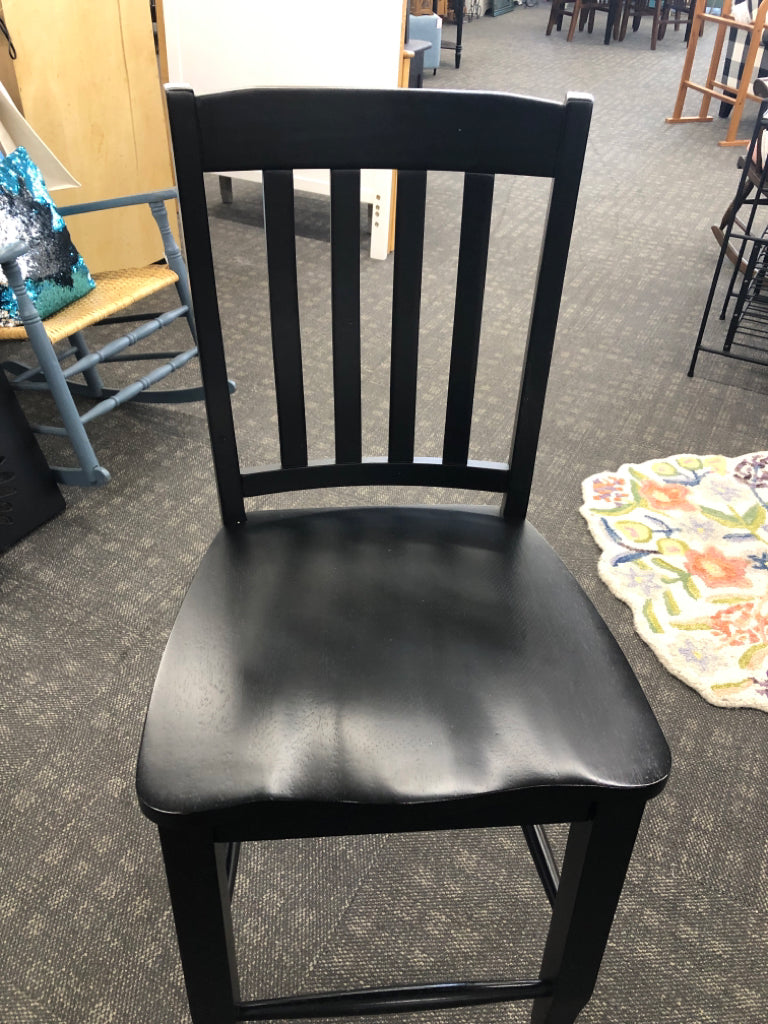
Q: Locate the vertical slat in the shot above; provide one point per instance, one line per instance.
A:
(284, 310)
(468, 314)
(345, 299)
(406, 309)
(546, 306)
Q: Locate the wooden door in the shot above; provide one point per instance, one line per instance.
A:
(89, 85)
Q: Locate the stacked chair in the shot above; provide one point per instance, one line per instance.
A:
(662, 13)
(619, 14)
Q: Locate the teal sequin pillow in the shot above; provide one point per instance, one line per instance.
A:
(53, 269)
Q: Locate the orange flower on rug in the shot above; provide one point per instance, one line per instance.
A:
(685, 544)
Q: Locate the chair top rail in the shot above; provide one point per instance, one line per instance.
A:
(349, 128)
(161, 195)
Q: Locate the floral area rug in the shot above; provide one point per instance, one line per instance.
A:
(685, 544)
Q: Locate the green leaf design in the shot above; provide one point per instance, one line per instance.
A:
(673, 608)
(754, 656)
(678, 576)
(650, 617)
(662, 564)
(690, 586)
(740, 684)
(635, 533)
(618, 511)
(721, 517)
(671, 546)
(754, 517)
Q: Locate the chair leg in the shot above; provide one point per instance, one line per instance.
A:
(625, 20)
(575, 19)
(556, 14)
(196, 869)
(596, 859)
(225, 188)
(657, 14)
(92, 376)
(689, 22)
(552, 17)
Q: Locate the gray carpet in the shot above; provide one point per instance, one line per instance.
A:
(88, 600)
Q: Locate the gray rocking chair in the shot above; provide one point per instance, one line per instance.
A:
(59, 339)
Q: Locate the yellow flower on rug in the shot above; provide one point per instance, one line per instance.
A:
(685, 544)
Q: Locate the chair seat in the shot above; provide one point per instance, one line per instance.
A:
(358, 659)
(115, 290)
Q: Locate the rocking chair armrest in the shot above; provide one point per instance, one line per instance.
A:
(11, 252)
(161, 195)
(156, 201)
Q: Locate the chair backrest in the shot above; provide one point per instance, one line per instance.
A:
(479, 134)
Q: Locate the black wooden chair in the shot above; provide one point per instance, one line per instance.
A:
(357, 670)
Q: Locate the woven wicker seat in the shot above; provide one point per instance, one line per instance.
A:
(115, 291)
(62, 353)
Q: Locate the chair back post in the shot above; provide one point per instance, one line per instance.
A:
(185, 135)
(174, 258)
(546, 304)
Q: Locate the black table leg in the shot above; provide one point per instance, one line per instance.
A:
(458, 10)
(458, 13)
